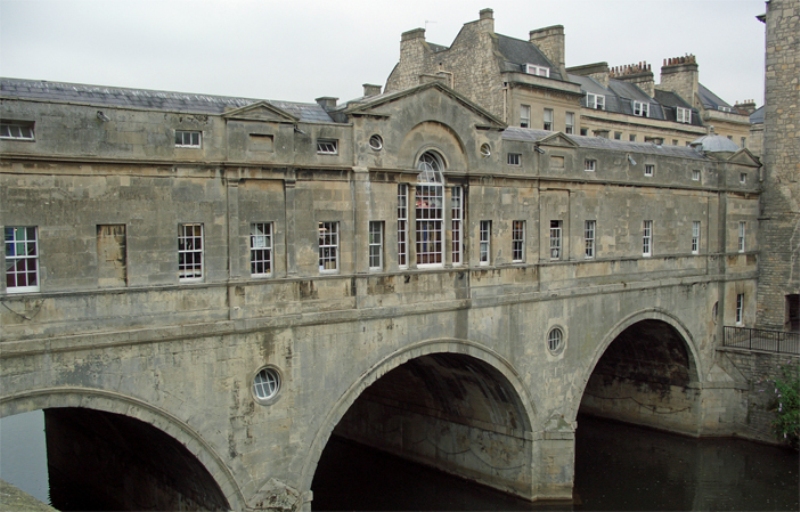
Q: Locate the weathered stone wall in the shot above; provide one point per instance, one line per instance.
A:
(779, 240)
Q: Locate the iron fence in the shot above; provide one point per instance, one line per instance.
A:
(762, 339)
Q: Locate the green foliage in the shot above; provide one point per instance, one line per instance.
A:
(787, 405)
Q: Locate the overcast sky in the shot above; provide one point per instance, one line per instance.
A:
(303, 49)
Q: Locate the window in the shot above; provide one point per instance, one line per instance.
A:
(328, 246)
(266, 384)
(548, 119)
(649, 170)
(187, 139)
(22, 259)
(514, 159)
(724, 109)
(190, 252)
(589, 228)
(327, 147)
(524, 116)
(555, 239)
(112, 265)
(674, 142)
(429, 209)
(375, 245)
(457, 224)
(555, 340)
(683, 115)
(376, 142)
(744, 141)
(695, 175)
(590, 165)
(742, 228)
(647, 238)
(739, 309)
(402, 225)
(486, 150)
(261, 249)
(596, 101)
(695, 237)
(569, 122)
(16, 130)
(617, 135)
(792, 323)
(632, 138)
(532, 69)
(485, 237)
(584, 131)
(518, 241)
(641, 109)
(743, 178)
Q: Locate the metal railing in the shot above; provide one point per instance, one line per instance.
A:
(761, 339)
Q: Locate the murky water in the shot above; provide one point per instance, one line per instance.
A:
(23, 453)
(617, 467)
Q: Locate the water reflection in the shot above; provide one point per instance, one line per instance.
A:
(23, 453)
(617, 467)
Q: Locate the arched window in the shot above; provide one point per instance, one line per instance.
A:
(429, 212)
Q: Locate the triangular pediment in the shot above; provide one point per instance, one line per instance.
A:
(372, 106)
(558, 139)
(744, 157)
(261, 111)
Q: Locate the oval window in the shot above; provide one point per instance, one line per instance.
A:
(555, 340)
(486, 150)
(266, 384)
(376, 142)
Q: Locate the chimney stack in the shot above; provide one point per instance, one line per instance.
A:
(371, 90)
(681, 76)
(486, 20)
(639, 74)
(550, 40)
(328, 103)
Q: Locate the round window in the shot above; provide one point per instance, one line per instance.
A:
(555, 340)
(376, 142)
(266, 384)
(486, 150)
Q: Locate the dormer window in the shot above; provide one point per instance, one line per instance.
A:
(641, 109)
(724, 109)
(532, 69)
(683, 115)
(595, 101)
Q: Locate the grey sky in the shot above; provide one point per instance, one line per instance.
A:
(300, 50)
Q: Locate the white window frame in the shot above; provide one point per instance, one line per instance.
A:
(191, 260)
(649, 170)
(485, 250)
(647, 238)
(525, 116)
(743, 178)
(695, 237)
(555, 340)
(595, 101)
(739, 309)
(22, 258)
(641, 109)
(590, 165)
(548, 117)
(327, 147)
(589, 235)
(16, 130)
(429, 211)
(518, 241)
(556, 229)
(188, 139)
(376, 245)
(514, 159)
(328, 247)
(683, 115)
(533, 69)
(402, 225)
(742, 233)
(569, 123)
(261, 255)
(695, 175)
(457, 225)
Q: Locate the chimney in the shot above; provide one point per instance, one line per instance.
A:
(599, 71)
(550, 40)
(486, 20)
(680, 75)
(371, 90)
(638, 74)
(746, 107)
(327, 103)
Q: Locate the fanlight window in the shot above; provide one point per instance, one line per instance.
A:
(429, 195)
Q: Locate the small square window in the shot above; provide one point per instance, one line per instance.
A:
(327, 147)
(16, 130)
(649, 169)
(617, 135)
(187, 139)
(514, 159)
(590, 165)
(632, 138)
(695, 175)
(584, 132)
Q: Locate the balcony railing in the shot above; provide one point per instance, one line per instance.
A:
(761, 339)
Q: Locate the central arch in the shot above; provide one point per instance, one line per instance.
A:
(469, 391)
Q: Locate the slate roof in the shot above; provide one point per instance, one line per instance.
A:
(670, 101)
(758, 115)
(518, 53)
(709, 99)
(147, 99)
(640, 148)
(619, 95)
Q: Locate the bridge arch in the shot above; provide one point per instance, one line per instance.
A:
(494, 362)
(117, 403)
(644, 322)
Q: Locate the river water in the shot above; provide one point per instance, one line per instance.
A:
(617, 467)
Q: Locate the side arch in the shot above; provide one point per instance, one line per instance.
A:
(394, 360)
(695, 369)
(117, 403)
